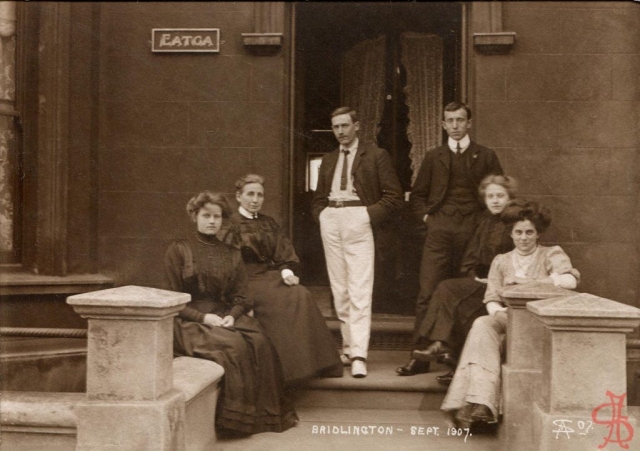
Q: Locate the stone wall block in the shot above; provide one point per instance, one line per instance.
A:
(584, 363)
(179, 77)
(559, 77)
(508, 124)
(225, 124)
(490, 72)
(132, 426)
(597, 124)
(141, 124)
(143, 212)
(154, 169)
(268, 79)
(527, 19)
(601, 31)
(549, 171)
(626, 76)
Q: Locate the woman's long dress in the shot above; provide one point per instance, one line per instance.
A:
(289, 316)
(252, 398)
(477, 378)
(456, 303)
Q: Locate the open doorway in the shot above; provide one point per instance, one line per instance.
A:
(398, 64)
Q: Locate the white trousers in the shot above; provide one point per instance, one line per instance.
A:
(349, 249)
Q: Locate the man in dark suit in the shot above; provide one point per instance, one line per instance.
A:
(445, 197)
(357, 191)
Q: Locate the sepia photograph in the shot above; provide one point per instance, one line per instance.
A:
(319, 226)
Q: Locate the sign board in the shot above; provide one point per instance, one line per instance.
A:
(200, 40)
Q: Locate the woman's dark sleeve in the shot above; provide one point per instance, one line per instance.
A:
(471, 257)
(174, 259)
(284, 255)
(237, 289)
(230, 234)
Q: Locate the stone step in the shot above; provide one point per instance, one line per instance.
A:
(390, 332)
(381, 389)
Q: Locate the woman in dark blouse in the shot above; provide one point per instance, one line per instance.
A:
(214, 324)
(456, 303)
(290, 317)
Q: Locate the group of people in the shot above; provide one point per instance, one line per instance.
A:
(249, 313)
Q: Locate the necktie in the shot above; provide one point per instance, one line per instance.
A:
(458, 148)
(343, 177)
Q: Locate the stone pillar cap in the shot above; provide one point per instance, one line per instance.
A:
(583, 305)
(130, 296)
(585, 312)
(519, 295)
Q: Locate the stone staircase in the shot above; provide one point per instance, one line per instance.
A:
(382, 411)
(381, 389)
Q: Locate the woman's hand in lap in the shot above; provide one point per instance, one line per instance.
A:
(228, 321)
(212, 320)
(494, 307)
(291, 280)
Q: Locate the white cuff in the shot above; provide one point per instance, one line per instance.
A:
(286, 273)
(567, 281)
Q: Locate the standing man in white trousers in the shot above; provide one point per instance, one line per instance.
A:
(357, 192)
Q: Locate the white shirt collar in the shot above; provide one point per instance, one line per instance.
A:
(353, 147)
(464, 144)
(244, 212)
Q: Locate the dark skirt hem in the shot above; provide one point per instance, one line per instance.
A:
(254, 424)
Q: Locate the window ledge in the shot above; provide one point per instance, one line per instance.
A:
(27, 283)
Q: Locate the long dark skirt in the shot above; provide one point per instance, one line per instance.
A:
(296, 328)
(454, 306)
(252, 397)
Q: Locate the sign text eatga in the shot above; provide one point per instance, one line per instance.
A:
(185, 40)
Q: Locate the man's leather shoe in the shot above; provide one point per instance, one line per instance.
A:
(482, 414)
(448, 359)
(412, 368)
(463, 416)
(433, 352)
(445, 379)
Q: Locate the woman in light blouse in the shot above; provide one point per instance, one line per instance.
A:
(475, 389)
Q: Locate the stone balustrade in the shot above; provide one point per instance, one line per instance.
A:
(131, 401)
(564, 377)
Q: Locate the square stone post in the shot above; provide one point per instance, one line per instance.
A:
(131, 403)
(523, 367)
(581, 403)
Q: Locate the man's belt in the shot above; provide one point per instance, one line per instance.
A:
(345, 203)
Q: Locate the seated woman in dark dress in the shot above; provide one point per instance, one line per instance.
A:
(289, 316)
(214, 324)
(456, 303)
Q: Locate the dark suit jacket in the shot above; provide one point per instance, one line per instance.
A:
(432, 182)
(374, 179)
